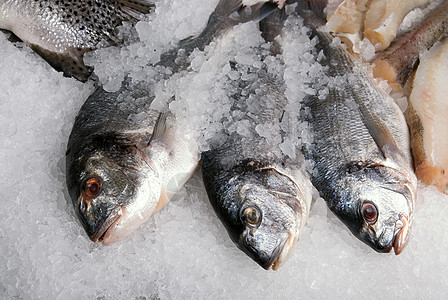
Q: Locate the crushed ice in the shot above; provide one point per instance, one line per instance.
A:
(184, 251)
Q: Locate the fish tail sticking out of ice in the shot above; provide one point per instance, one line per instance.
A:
(363, 168)
(62, 31)
(125, 160)
(261, 196)
(227, 14)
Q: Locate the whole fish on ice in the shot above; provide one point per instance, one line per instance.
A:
(61, 31)
(261, 196)
(363, 167)
(124, 160)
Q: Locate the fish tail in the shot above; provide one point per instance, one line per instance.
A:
(235, 10)
(310, 9)
(134, 9)
(227, 14)
(271, 27)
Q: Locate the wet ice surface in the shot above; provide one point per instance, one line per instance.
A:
(183, 251)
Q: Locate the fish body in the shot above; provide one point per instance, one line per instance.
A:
(261, 196)
(124, 159)
(360, 147)
(427, 111)
(62, 31)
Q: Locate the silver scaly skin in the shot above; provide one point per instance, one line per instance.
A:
(125, 160)
(261, 196)
(61, 31)
(361, 149)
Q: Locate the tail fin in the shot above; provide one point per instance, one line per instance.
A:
(133, 9)
(315, 6)
(226, 14)
(271, 27)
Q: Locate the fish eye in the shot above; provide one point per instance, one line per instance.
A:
(91, 188)
(251, 216)
(369, 212)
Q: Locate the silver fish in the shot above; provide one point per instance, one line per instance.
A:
(61, 31)
(261, 196)
(122, 164)
(361, 149)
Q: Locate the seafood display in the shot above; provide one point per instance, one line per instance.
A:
(286, 133)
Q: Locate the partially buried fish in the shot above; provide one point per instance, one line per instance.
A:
(61, 31)
(363, 166)
(261, 196)
(124, 160)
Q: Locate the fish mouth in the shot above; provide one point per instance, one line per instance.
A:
(108, 224)
(280, 254)
(285, 248)
(401, 235)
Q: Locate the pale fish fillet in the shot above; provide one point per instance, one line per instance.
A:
(383, 17)
(428, 117)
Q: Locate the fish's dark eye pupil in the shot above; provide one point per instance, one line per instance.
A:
(93, 188)
(369, 213)
(252, 217)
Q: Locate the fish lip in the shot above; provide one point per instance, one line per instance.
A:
(110, 221)
(401, 235)
(276, 259)
(286, 250)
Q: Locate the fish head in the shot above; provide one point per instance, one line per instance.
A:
(380, 208)
(267, 217)
(113, 188)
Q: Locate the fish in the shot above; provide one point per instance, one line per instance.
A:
(396, 63)
(361, 153)
(261, 196)
(61, 32)
(125, 160)
(427, 111)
